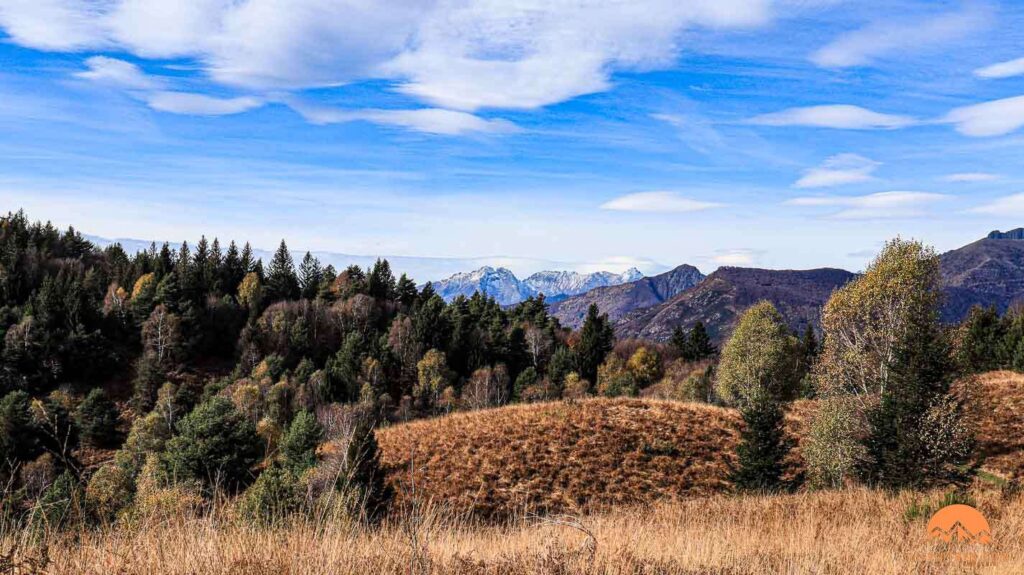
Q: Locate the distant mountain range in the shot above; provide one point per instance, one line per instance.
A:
(420, 269)
(721, 298)
(987, 272)
(618, 300)
(507, 289)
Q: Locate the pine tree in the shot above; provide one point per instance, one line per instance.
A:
(680, 342)
(233, 270)
(596, 339)
(980, 337)
(282, 283)
(763, 446)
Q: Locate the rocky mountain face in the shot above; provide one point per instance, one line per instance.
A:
(507, 289)
(619, 300)
(987, 272)
(721, 298)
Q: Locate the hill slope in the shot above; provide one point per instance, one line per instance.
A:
(565, 457)
(617, 301)
(596, 453)
(989, 271)
(719, 300)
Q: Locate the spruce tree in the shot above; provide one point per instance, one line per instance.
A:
(596, 339)
(763, 446)
(699, 343)
(365, 472)
(905, 447)
(310, 276)
(282, 283)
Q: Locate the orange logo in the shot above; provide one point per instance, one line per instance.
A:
(959, 523)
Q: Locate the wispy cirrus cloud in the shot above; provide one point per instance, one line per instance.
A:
(838, 116)
(838, 170)
(964, 177)
(1002, 69)
(886, 38)
(659, 201)
(880, 205)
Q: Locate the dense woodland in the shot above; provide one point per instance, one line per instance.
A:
(175, 375)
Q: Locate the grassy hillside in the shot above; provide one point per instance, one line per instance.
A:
(592, 454)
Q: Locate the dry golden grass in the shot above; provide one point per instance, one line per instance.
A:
(997, 400)
(564, 457)
(852, 531)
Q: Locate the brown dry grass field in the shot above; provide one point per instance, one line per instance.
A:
(850, 531)
(642, 485)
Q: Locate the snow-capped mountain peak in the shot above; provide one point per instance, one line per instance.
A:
(507, 289)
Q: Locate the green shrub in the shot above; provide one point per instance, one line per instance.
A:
(275, 495)
(215, 445)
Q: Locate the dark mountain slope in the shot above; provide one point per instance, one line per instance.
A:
(987, 272)
(617, 301)
(719, 300)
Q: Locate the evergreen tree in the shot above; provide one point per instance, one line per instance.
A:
(298, 447)
(763, 446)
(980, 336)
(380, 281)
(406, 291)
(282, 283)
(97, 419)
(215, 444)
(233, 270)
(912, 443)
(680, 342)
(596, 339)
(310, 276)
(365, 470)
(698, 344)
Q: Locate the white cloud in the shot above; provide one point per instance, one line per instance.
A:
(461, 55)
(1008, 206)
(886, 37)
(838, 170)
(895, 204)
(429, 120)
(54, 24)
(970, 177)
(838, 116)
(993, 118)
(739, 257)
(118, 73)
(1002, 69)
(664, 202)
(200, 104)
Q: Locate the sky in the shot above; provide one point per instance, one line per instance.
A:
(581, 134)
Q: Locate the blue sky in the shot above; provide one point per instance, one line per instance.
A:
(598, 135)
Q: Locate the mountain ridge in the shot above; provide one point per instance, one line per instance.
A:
(503, 285)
